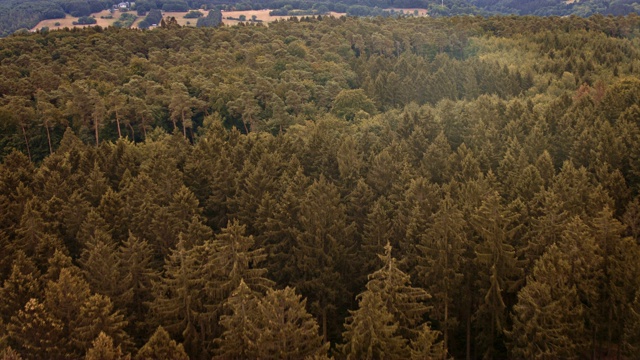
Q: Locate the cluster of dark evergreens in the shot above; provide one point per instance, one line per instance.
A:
(383, 188)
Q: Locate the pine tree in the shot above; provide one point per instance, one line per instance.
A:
(239, 339)
(231, 258)
(321, 250)
(499, 268)
(63, 298)
(101, 266)
(435, 160)
(95, 185)
(405, 302)
(547, 225)
(102, 348)
(427, 345)
(440, 268)
(377, 231)
(586, 261)
(619, 273)
(97, 316)
(111, 209)
(36, 332)
(32, 236)
(178, 302)
(161, 346)
(371, 331)
(288, 331)
(137, 276)
(548, 320)
(631, 334)
(22, 284)
(9, 354)
(280, 225)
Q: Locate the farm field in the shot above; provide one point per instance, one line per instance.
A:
(179, 16)
(68, 21)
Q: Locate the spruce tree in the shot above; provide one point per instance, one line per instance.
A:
(405, 302)
(238, 341)
(22, 284)
(440, 267)
(178, 298)
(137, 275)
(548, 320)
(232, 258)
(101, 266)
(9, 354)
(36, 332)
(321, 251)
(97, 316)
(102, 348)
(161, 346)
(372, 332)
(287, 330)
(499, 269)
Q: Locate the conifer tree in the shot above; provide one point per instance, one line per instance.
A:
(499, 268)
(36, 332)
(137, 276)
(288, 331)
(32, 236)
(377, 231)
(405, 302)
(100, 266)
(97, 316)
(371, 331)
(619, 271)
(280, 225)
(9, 354)
(548, 320)
(63, 298)
(102, 348)
(95, 185)
(112, 210)
(321, 250)
(232, 258)
(631, 332)
(390, 317)
(22, 284)
(161, 346)
(178, 299)
(440, 267)
(239, 339)
(427, 345)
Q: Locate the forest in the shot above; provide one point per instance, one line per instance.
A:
(346, 188)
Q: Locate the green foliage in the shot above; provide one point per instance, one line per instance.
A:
(125, 20)
(499, 157)
(103, 349)
(85, 20)
(193, 14)
(276, 326)
(161, 346)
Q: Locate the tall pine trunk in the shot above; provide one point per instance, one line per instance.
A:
(26, 141)
(118, 124)
(49, 139)
(95, 127)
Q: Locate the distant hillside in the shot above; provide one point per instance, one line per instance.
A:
(18, 14)
(535, 7)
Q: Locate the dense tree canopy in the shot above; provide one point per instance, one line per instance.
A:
(346, 187)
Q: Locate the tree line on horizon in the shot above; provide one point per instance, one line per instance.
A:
(348, 188)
